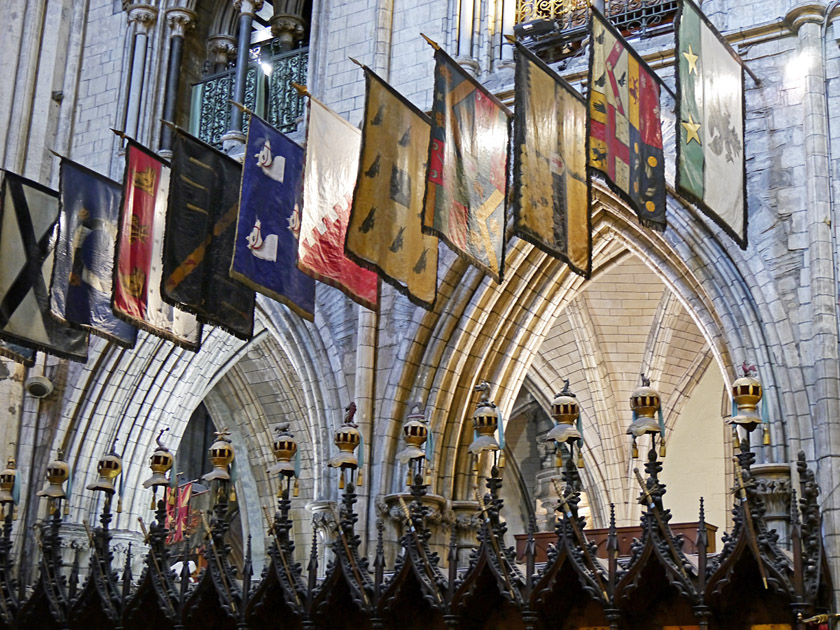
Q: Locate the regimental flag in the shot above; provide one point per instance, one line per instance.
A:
(28, 213)
(466, 181)
(200, 232)
(332, 161)
(17, 353)
(625, 132)
(82, 278)
(711, 165)
(386, 229)
(139, 258)
(265, 254)
(551, 200)
(178, 513)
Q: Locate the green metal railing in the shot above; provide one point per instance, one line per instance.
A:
(268, 93)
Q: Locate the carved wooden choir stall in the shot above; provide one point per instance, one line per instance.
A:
(751, 583)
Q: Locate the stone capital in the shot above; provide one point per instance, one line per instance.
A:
(180, 21)
(143, 16)
(288, 29)
(805, 14)
(248, 7)
(221, 48)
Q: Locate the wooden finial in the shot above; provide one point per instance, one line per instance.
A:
(510, 38)
(170, 124)
(431, 42)
(357, 62)
(119, 133)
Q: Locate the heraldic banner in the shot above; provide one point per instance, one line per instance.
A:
(710, 101)
(80, 293)
(386, 231)
(466, 182)
(28, 213)
(139, 265)
(200, 232)
(332, 160)
(551, 199)
(625, 141)
(265, 253)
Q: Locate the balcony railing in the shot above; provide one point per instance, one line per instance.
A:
(268, 93)
(562, 24)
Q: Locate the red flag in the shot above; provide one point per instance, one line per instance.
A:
(136, 297)
(178, 514)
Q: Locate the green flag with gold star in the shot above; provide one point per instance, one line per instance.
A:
(710, 101)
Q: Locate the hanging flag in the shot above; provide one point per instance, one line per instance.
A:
(551, 200)
(17, 353)
(625, 132)
(711, 165)
(139, 262)
(28, 213)
(265, 251)
(466, 181)
(331, 164)
(386, 231)
(81, 288)
(200, 232)
(178, 513)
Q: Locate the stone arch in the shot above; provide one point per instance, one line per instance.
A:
(482, 330)
(132, 394)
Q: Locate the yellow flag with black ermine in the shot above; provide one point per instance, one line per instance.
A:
(385, 229)
(551, 192)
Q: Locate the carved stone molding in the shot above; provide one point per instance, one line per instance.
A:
(180, 21)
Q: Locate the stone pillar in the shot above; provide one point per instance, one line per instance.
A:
(287, 23)
(247, 10)
(179, 21)
(822, 346)
(142, 17)
(220, 50)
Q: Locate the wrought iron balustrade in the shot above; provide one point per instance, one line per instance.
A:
(268, 93)
(571, 19)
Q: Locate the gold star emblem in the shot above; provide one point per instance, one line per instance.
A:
(691, 129)
(692, 60)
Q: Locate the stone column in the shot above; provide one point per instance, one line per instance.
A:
(179, 21)
(142, 17)
(220, 50)
(247, 10)
(821, 348)
(287, 23)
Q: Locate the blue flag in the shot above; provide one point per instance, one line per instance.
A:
(80, 292)
(265, 254)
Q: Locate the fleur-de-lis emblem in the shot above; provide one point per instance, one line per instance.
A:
(139, 232)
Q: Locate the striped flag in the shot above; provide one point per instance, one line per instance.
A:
(711, 164)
